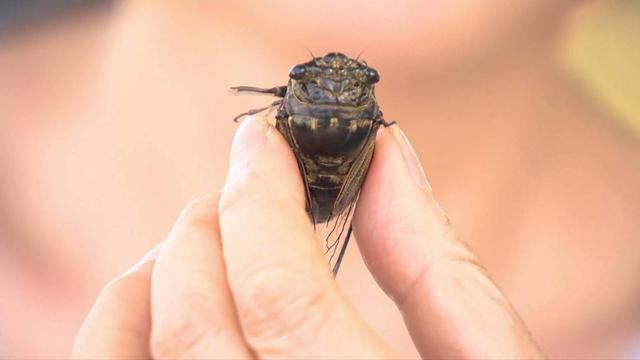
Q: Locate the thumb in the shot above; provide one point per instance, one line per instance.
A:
(450, 305)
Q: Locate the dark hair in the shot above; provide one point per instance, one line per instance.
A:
(20, 15)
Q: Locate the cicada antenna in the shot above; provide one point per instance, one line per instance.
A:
(313, 57)
(362, 52)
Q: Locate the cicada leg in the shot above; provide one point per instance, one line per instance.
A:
(255, 111)
(278, 91)
(384, 123)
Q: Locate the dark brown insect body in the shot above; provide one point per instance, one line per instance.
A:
(329, 116)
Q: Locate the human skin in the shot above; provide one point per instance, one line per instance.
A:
(222, 286)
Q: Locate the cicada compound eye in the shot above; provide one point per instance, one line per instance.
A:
(372, 75)
(297, 72)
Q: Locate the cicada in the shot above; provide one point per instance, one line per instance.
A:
(329, 115)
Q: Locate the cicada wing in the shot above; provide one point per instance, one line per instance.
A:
(345, 202)
(353, 181)
(335, 239)
(282, 125)
(332, 239)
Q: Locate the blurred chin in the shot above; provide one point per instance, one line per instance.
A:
(434, 33)
(425, 31)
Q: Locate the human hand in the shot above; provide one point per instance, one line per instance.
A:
(243, 276)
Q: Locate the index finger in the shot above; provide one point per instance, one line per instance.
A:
(288, 304)
(450, 305)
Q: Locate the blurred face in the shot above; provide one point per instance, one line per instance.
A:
(98, 163)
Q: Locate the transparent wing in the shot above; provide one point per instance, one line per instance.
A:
(337, 240)
(351, 186)
(341, 227)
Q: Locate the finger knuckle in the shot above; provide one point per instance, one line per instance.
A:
(258, 186)
(455, 254)
(121, 289)
(201, 211)
(245, 178)
(184, 329)
(280, 303)
(116, 288)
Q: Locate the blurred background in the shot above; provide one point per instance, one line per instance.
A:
(526, 115)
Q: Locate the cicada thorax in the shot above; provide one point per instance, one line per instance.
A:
(328, 142)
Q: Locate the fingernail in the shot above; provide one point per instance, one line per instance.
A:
(410, 158)
(151, 255)
(249, 137)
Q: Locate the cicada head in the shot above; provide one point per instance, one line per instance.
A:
(333, 79)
